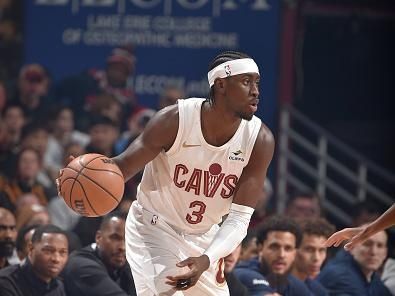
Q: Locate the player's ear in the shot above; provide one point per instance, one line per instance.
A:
(98, 237)
(220, 85)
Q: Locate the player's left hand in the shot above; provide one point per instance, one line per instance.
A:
(354, 235)
(197, 265)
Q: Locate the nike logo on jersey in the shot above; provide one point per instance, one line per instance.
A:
(185, 145)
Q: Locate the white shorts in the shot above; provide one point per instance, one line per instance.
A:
(153, 248)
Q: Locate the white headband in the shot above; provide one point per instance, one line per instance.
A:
(230, 68)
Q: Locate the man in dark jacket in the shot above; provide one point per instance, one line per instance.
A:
(355, 273)
(37, 276)
(101, 269)
(277, 240)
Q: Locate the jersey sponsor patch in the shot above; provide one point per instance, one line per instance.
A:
(236, 156)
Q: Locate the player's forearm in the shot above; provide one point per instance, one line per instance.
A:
(231, 233)
(386, 220)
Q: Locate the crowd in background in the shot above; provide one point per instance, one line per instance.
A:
(47, 249)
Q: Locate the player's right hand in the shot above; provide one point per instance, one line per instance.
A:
(197, 266)
(57, 180)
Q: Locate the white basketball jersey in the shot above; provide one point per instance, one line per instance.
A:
(191, 186)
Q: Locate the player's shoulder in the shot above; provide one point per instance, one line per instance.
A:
(265, 134)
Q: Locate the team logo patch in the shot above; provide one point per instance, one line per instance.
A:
(236, 156)
(228, 72)
(154, 219)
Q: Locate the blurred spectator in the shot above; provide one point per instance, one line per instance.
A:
(32, 215)
(35, 135)
(48, 253)
(62, 135)
(7, 236)
(304, 205)
(236, 288)
(10, 38)
(278, 240)
(107, 105)
(136, 124)
(23, 239)
(14, 119)
(25, 181)
(260, 213)
(26, 199)
(365, 212)
(249, 248)
(103, 134)
(311, 253)
(169, 96)
(3, 96)
(355, 273)
(82, 90)
(388, 276)
(101, 269)
(33, 91)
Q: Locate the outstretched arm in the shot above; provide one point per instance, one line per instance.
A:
(234, 229)
(360, 234)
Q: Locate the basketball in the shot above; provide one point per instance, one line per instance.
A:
(91, 185)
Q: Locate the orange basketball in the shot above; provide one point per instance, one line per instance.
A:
(92, 185)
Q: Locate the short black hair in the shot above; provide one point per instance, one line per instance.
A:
(318, 227)
(20, 243)
(33, 127)
(115, 214)
(102, 120)
(279, 223)
(49, 228)
(222, 58)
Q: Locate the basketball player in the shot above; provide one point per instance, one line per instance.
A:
(358, 235)
(204, 159)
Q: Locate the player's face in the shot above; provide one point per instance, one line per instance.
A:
(242, 92)
(278, 251)
(372, 253)
(310, 255)
(49, 255)
(111, 243)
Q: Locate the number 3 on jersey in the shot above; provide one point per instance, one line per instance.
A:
(196, 216)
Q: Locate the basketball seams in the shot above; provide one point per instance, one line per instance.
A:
(78, 173)
(98, 184)
(104, 170)
(86, 197)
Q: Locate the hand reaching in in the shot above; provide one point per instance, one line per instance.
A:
(354, 235)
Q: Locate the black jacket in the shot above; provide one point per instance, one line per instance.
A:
(20, 280)
(85, 274)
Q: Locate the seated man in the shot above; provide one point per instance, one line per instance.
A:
(37, 276)
(236, 288)
(7, 236)
(354, 273)
(101, 268)
(270, 272)
(311, 253)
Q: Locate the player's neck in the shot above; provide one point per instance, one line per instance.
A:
(218, 126)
